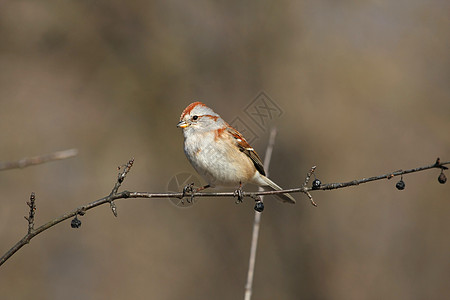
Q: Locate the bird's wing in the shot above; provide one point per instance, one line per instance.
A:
(243, 146)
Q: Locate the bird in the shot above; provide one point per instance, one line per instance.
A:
(220, 154)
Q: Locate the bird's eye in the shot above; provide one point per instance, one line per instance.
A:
(194, 118)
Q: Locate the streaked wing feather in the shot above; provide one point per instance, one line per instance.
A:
(247, 149)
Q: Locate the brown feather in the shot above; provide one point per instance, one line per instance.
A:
(247, 149)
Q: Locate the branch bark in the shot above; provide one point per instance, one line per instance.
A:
(36, 160)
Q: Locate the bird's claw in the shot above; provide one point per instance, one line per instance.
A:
(188, 189)
(239, 194)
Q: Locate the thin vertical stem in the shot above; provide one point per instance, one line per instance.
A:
(257, 221)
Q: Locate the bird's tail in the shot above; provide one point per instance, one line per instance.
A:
(272, 186)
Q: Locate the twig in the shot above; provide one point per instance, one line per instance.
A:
(36, 160)
(332, 186)
(257, 221)
(78, 211)
(30, 218)
(120, 179)
(305, 183)
(115, 195)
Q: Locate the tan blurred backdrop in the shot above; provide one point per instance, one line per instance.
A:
(363, 88)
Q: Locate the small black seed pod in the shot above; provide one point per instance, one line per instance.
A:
(75, 223)
(400, 185)
(316, 184)
(259, 206)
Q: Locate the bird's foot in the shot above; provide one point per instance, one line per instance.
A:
(239, 194)
(191, 189)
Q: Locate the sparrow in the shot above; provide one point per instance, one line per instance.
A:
(220, 154)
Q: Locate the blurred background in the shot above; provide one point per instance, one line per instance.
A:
(362, 89)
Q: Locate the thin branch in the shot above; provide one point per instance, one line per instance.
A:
(305, 183)
(333, 186)
(115, 195)
(30, 218)
(303, 189)
(78, 211)
(36, 160)
(120, 179)
(256, 223)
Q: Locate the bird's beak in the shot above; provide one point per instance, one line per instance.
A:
(182, 124)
